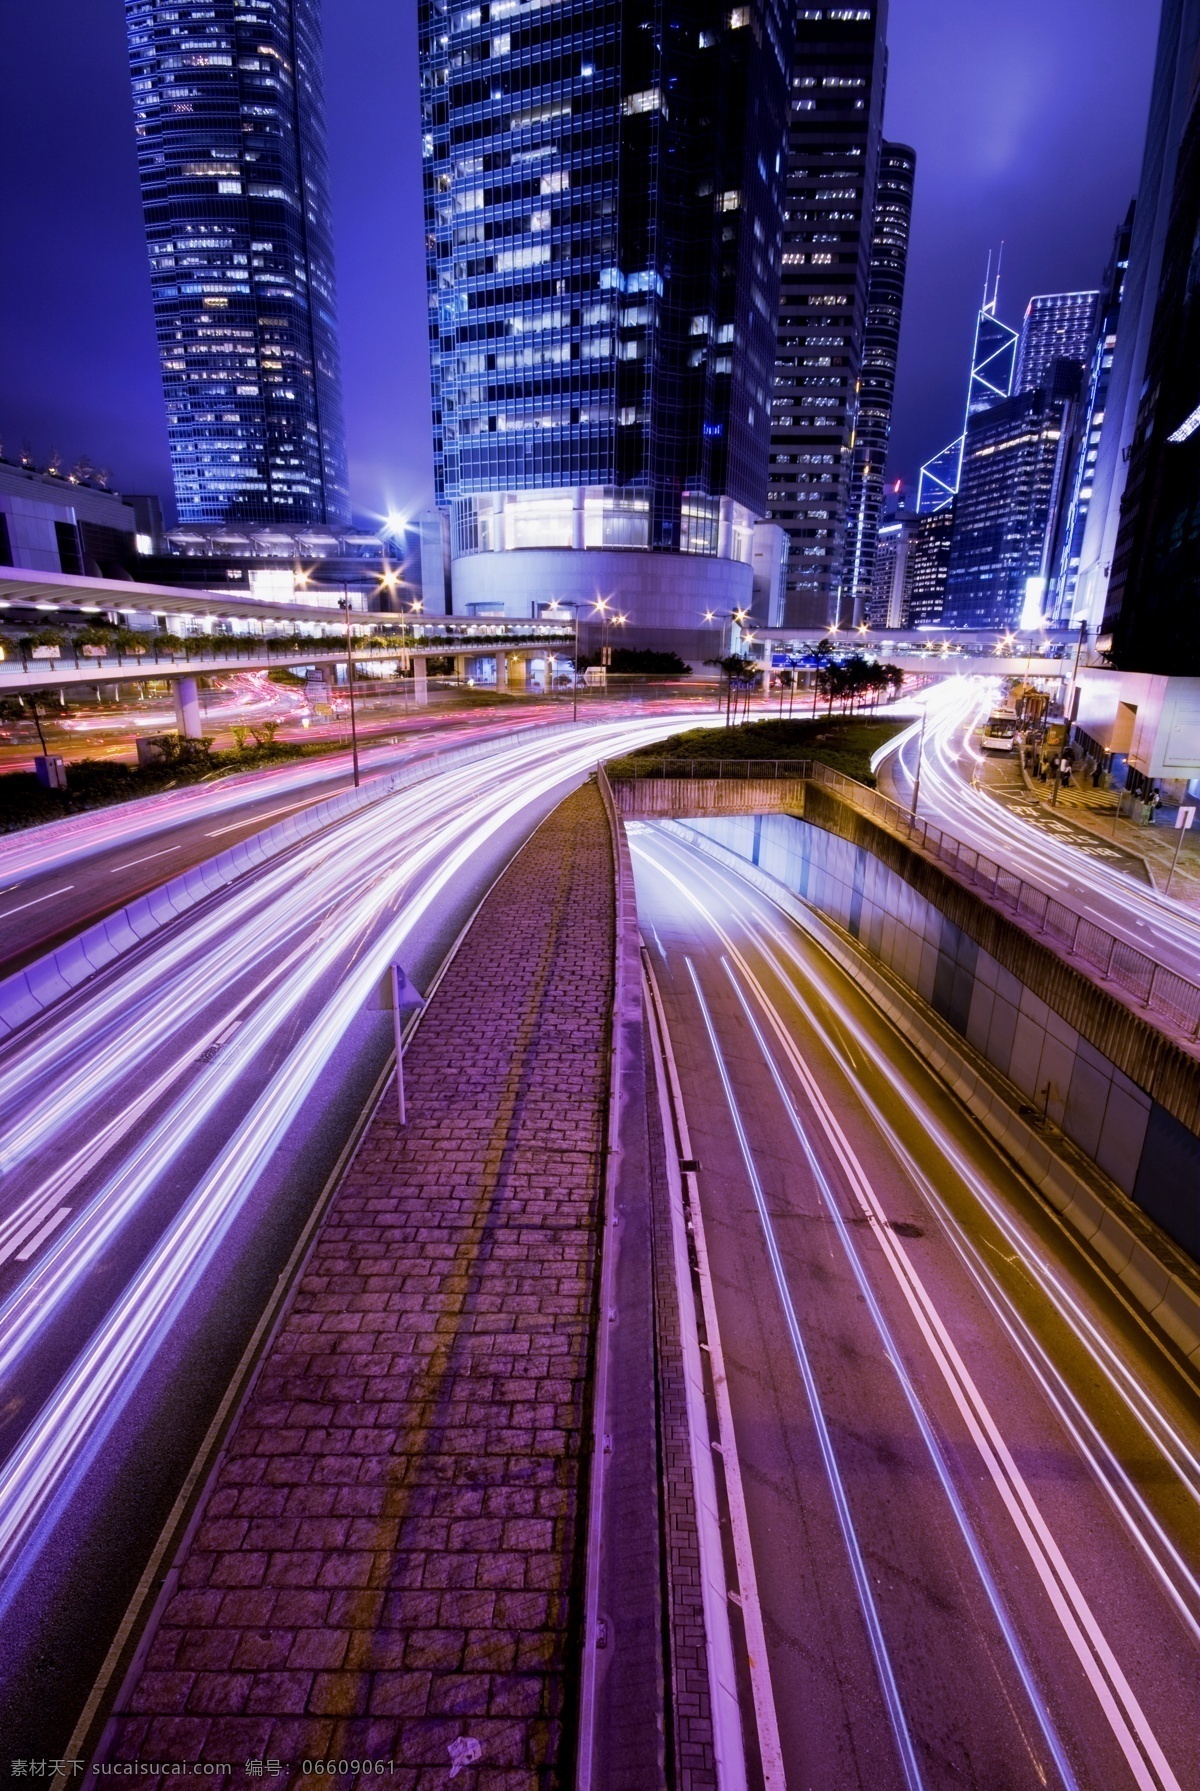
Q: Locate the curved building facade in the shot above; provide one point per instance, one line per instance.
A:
(603, 198)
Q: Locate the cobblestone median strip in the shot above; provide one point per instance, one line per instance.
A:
(387, 1565)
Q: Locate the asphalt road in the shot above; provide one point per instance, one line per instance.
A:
(1102, 883)
(971, 1476)
(58, 879)
(164, 1133)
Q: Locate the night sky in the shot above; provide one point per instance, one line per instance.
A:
(1027, 117)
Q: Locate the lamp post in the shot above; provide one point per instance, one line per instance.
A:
(344, 605)
(732, 615)
(912, 816)
(601, 606)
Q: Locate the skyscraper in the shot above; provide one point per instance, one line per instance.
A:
(993, 357)
(1084, 445)
(1153, 609)
(230, 121)
(877, 381)
(929, 566)
(1003, 510)
(1057, 326)
(1170, 101)
(603, 198)
(835, 134)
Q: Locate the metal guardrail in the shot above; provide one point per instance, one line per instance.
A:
(1151, 985)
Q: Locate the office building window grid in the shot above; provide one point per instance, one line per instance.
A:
(602, 236)
(229, 116)
(836, 106)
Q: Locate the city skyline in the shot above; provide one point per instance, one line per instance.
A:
(66, 392)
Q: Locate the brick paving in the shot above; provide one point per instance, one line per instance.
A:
(388, 1560)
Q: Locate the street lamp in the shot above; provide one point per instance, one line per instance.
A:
(344, 604)
(600, 604)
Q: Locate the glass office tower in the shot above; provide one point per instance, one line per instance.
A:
(1057, 326)
(1011, 475)
(230, 120)
(877, 381)
(603, 195)
(835, 132)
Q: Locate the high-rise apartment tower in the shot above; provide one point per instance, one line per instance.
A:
(230, 120)
(835, 133)
(603, 201)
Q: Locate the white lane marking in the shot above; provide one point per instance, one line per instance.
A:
(1087, 1333)
(1067, 1600)
(54, 1220)
(770, 1750)
(19, 1226)
(1024, 1671)
(862, 1583)
(43, 898)
(252, 820)
(129, 864)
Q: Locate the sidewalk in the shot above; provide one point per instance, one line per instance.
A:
(1096, 810)
(386, 1565)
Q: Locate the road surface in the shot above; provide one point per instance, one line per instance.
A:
(164, 1133)
(1069, 864)
(59, 878)
(971, 1477)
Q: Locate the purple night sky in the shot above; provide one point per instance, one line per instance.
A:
(1027, 117)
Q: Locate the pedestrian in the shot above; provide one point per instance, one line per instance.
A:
(1065, 771)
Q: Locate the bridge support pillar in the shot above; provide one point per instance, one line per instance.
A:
(502, 671)
(518, 671)
(187, 709)
(420, 680)
(460, 667)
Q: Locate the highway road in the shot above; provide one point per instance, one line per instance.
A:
(971, 1477)
(59, 878)
(1068, 864)
(164, 1133)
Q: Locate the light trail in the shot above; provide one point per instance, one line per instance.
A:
(339, 911)
(921, 1417)
(841, 1502)
(1105, 1358)
(1127, 1722)
(1081, 879)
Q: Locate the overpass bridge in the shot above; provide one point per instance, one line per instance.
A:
(242, 634)
(931, 653)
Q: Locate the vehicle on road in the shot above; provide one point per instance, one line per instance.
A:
(999, 731)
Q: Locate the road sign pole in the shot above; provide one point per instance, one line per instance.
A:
(396, 1022)
(1183, 821)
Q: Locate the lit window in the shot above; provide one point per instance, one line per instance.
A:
(649, 100)
(731, 200)
(738, 18)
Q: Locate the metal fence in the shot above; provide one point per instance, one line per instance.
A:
(1151, 985)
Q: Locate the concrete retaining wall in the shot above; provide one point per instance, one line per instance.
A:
(1117, 1120)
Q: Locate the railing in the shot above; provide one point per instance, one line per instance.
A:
(1114, 960)
(202, 649)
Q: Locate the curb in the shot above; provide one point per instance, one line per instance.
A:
(29, 992)
(1167, 1298)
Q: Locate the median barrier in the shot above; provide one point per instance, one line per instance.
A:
(29, 992)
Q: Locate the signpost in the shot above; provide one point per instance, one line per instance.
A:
(402, 996)
(1183, 820)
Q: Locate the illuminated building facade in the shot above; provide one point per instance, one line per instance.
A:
(229, 113)
(1057, 326)
(929, 566)
(1004, 507)
(603, 202)
(1153, 608)
(834, 140)
(993, 357)
(1084, 446)
(877, 379)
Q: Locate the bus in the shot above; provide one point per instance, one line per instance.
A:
(999, 731)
